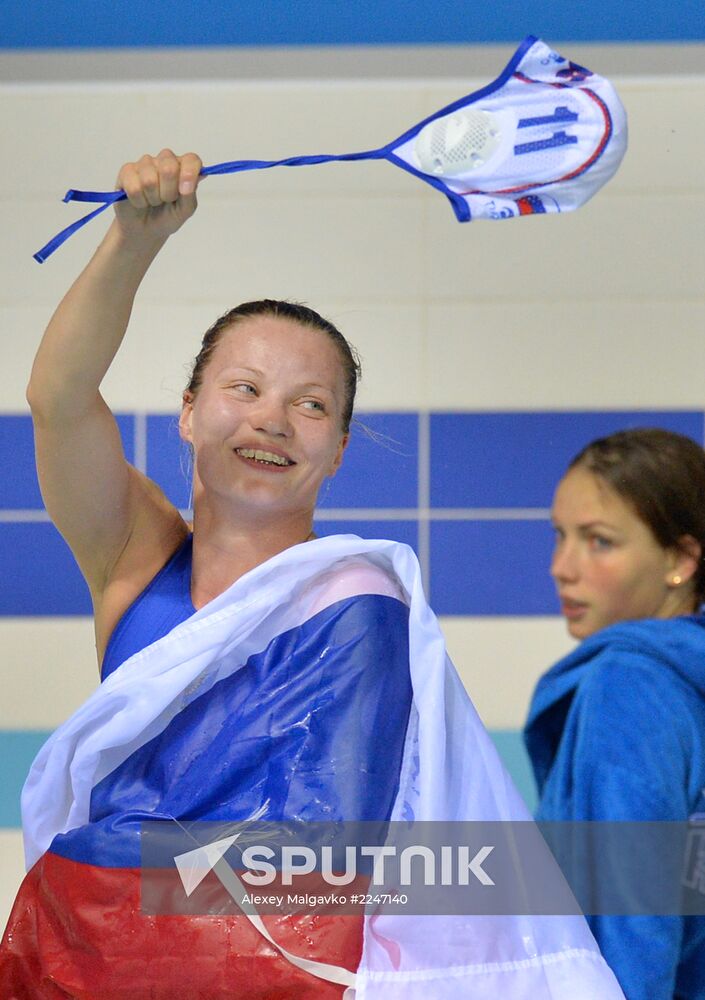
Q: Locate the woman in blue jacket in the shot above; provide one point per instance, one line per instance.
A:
(616, 729)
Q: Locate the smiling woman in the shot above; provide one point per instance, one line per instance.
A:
(266, 416)
(249, 671)
(267, 413)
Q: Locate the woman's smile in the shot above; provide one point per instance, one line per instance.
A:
(264, 458)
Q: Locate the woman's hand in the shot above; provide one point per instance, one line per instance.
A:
(161, 194)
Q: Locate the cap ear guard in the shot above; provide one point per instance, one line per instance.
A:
(458, 143)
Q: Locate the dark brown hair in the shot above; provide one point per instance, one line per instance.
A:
(297, 313)
(661, 474)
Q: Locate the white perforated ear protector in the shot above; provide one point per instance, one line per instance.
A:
(458, 143)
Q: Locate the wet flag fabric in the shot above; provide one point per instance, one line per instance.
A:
(317, 687)
(541, 138)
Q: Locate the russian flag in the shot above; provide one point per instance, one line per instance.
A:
(310, 728)
(317, 688)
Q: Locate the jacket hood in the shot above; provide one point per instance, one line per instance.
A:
(675, 644)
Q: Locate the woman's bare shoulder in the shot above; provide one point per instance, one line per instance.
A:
(354, 576)
(157, 532)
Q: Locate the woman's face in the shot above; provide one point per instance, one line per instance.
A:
(607, 565)
(265, 424)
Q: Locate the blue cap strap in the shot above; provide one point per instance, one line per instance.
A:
(107, 198)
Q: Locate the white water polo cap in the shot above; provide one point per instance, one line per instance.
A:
(543, 137)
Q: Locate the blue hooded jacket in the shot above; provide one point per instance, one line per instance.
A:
(616, 731)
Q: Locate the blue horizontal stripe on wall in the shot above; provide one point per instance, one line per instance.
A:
(491, 568)
(168, 459)
(380, 467)
(42, 577)
(40, 574)
(96, 24)
(497, 565)
(20, 491)
(19, 748)
(516, 459)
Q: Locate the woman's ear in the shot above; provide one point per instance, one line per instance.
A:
(186, 414)
(342, 445)
(687, 554)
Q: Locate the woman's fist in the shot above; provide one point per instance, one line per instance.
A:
(161, 193)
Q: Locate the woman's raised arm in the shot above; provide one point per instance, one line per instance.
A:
(93, 496)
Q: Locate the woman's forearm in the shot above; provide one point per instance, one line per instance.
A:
(86, 330)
